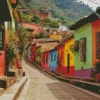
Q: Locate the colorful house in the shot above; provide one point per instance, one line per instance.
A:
(43, 15)
(86, 47)
(45, 59)
(69, 56)
(53, 59)
(56, 36)
(60, 59)
(6, 22)
(95, 41)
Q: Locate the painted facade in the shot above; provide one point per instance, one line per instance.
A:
(69, 57)
(60, 59)
(55, 36)
(95, 42)
(53, 60)
(83, 57)
(45, 59)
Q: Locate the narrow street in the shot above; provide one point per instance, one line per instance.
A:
(43, 87)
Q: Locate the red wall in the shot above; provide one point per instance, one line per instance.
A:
(95, 29)
(45, 64)
(33, 50)
(2, 63)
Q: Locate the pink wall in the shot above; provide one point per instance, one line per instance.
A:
(45, 63)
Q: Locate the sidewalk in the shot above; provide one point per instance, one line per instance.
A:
(12, 92)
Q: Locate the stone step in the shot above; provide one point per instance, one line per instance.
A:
(7, 82)
(1, 91)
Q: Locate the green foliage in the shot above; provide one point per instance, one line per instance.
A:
(11, 50)
(52, 23)
(70, 10)
(22, 40)
(41, 35)
(26, 17)
(36, 19)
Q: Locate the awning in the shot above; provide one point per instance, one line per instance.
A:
(4, 11)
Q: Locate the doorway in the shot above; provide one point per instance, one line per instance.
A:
(68, 63)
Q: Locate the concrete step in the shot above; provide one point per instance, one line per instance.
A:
(1, 91)
(7, 82)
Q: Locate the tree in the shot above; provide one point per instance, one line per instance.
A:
(36, 19)
(54, 24)
(41, 35)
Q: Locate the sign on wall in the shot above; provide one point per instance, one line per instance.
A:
(98, 45)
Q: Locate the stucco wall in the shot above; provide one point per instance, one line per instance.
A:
(84, 31)
(95, 29)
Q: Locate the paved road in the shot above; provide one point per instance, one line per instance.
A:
(43, 87)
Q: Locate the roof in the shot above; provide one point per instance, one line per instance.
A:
(44, 40)
(4, 11)
(87, 19)
(59, 45)
(46, 46)
(37, 28)
(72, 36)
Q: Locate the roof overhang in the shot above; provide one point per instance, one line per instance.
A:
(4, 11)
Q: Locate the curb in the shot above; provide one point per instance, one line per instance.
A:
(12, 92)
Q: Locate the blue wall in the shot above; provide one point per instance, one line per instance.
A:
(53, 60)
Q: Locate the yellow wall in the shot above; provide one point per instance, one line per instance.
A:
(55, 36)
(67, 50)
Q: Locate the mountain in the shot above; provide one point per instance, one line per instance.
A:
(69, 11)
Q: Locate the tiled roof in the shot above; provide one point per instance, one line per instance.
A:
(37, 28)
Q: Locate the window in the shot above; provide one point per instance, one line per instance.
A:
(51, 57)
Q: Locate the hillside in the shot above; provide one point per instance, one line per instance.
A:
(69, 11)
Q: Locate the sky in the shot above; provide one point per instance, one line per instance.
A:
(92, 3)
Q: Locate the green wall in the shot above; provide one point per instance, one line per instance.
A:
(84, 31)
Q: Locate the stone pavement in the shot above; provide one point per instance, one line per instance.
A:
(43, 87)
(12, 92)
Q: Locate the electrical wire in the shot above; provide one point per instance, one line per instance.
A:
(93, 10)
(94, 2)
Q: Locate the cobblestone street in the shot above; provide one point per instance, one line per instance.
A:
(43, 87)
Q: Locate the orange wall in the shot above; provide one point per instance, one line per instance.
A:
(95, 29)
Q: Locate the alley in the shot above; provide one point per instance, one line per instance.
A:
(43, 87)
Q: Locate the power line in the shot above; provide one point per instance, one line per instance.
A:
(94, 2)
(93, 10)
